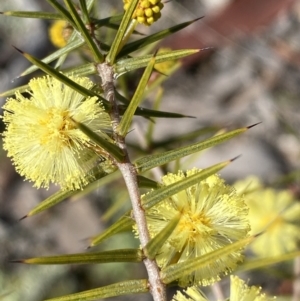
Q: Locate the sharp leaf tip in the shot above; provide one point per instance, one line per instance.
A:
(25, 216)
(235, 158)
(19, 50)
(253, 125)
(16, 261)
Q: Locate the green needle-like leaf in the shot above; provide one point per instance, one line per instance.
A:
(151, 161)
(84, 32)
(110, 148)
(33, 14)
(116, 289)
(156, 196)
(133, 46)
(111, 56)
(62, 195)
(112, 20)
(74, 36)
(57, 54)
(63, 11)
(61, 77)
(152, 113)
(154, 245)
(144, 182)
(89, 4)
(101, 180)
(83, 70)
(11, 92)
(51, 201)
(170, 141)
(123, 224)
(186, 267)
(129, 64)
(136, 99)
(84, 10)
(122, 255)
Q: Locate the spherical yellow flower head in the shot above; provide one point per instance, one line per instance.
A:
(147, 11)
(277, 214)
(41, 138)
(190, 294)
(166, 66)
(212, 216)
(59, 33)
(239, 291)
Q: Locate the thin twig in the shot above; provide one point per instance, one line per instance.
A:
(157, 288)
(296, 282)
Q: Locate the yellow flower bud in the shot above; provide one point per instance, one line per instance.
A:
(147, 11)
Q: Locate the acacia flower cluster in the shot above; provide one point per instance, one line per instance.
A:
(147, 11)
(42, 139)
(275, 214)
(212, 216)
(190, 294)
(239, 291)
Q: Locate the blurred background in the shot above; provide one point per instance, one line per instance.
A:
(247, 72)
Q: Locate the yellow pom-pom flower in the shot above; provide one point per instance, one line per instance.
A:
(212, 216)
(276, 214)
(59, 33)
(190, 294)
(147, 11)
(41, 138)
(239, 291)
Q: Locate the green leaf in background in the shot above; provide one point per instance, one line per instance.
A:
(123, 224)
(116, 289)
(33, 14)
(156, 196)
(126, 120)
(151, 161)
(125, 65)
(260, 263)
(154, 245)
(119, 255)
(182, 269)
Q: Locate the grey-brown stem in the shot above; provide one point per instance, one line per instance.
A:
(157, 288)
